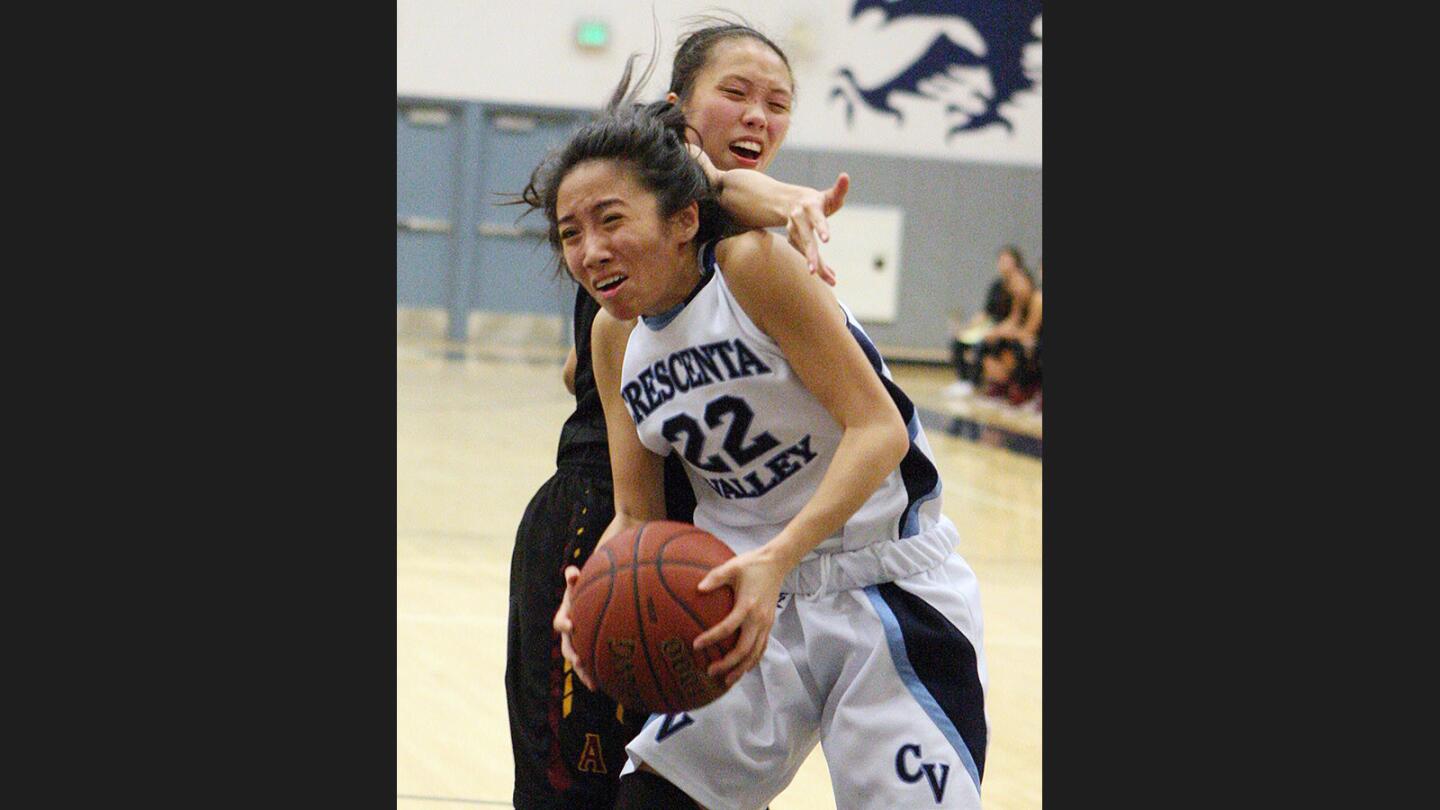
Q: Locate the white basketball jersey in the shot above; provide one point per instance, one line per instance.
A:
(704, 381)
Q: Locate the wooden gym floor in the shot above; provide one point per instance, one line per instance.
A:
(476, 434)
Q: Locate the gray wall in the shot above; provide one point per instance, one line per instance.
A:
(957, 215)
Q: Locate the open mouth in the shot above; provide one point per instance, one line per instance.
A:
(608, 285)
(747, 150)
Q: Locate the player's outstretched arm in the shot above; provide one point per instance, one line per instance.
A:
(769, 280)
(757, 200)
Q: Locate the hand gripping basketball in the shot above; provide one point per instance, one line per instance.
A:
(634, 612)
(564, 626)
(755, 578)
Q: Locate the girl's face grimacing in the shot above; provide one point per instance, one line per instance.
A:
(616, 244)
(740, 104)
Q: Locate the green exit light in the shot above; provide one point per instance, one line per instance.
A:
(592, 33)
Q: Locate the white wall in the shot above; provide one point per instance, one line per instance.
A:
(523, 51)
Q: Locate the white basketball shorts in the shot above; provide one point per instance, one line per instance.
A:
(889, 679)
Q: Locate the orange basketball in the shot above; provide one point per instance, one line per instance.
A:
(636, 613)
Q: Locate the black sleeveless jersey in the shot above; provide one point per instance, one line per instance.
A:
(583, 441)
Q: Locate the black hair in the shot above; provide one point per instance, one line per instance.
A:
(998, 301)
(1027, 369)
(692, 51)
(649, 140)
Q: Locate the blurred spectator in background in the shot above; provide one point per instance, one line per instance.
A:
(966, 349)
(1011, 350)
(1011, 374)
(1022, 321)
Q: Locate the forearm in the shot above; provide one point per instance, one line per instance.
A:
(623, 520)
(757, 200)
(865, 456)
(638, 474)
(1032, 320)
(753, 198)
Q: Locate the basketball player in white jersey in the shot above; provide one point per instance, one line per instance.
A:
(735, 88)
(858, 624)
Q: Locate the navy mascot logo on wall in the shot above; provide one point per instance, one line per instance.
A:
(965, 54)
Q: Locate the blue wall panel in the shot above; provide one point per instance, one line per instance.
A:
(513, 271)
(427, 153)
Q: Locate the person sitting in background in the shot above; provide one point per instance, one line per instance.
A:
(1011, 353)
(1022, 322)
(1010, 374)
(969, 338)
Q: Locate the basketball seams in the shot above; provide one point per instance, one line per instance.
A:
(668, 564)
(600, 617)
(585, 585)
(710, 653)
(682, 564)
(640, 615)
(650, 556)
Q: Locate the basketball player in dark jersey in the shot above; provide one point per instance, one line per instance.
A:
(736, 90)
